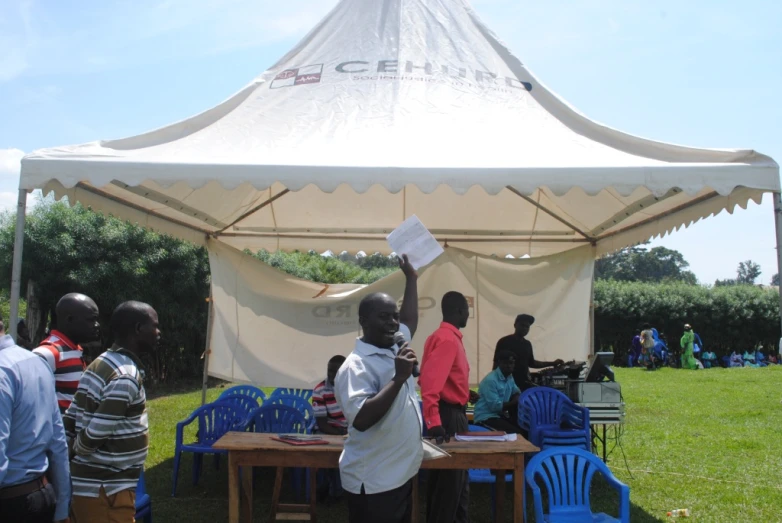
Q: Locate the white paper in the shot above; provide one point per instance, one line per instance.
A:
(432, 451)
(506, 437)
(413, 239)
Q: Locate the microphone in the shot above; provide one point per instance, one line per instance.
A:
(399, 340)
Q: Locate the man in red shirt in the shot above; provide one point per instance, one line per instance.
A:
(77, 323)
(445, 390)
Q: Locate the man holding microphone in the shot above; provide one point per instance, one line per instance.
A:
(376, 391)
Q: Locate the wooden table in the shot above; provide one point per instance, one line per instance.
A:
(248, 449)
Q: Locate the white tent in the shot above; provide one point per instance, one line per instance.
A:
(390, 108)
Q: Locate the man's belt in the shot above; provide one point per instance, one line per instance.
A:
(24, 489)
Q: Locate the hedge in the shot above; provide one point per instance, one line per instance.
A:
(727, 318)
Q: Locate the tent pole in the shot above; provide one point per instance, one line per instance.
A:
(592, 311)
(16, 271)
(208, 347)
(778, 224)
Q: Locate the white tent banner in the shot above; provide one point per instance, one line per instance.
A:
(274, 330)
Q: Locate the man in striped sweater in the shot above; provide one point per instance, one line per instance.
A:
(107, 425)
(77, 323)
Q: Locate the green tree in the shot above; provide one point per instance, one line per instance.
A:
(775, 280)
(748, 272)
(71, 249)
(639, 263)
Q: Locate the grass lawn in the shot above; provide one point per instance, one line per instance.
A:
(705, 440)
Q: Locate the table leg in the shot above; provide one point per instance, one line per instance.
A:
(499, 502)
(233, 489)
(604, 444)
(246, 494)
(276, 494)
(518, 490)
(415, 499)
(313, 494)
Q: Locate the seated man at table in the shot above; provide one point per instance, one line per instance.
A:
(330, 420)
(499, 396)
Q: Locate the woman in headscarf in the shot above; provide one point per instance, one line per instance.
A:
(687, 341)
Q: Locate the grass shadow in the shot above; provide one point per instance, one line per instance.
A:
(208, 500)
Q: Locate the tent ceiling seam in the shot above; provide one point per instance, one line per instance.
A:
(117, 199)
(170, 202)
(315, 236)
(659, 217)
(550, 213)
(633, 209)
(255, 209)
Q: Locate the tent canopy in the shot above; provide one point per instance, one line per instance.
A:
(390, 108)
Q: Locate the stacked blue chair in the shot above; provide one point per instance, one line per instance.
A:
(281, 419)
(246, 390)
(305, 408)
(552, 420)
(143, 501)
(245, 399)
(214, 421)
(246, 404)
(485, 475)
(305, 394)
(297, 402)
(278, 419)
(566, 474)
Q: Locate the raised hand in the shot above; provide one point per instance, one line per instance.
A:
(407, 267)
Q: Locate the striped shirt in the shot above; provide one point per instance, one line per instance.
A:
(107, 425)
(66, 361)
(325, 405)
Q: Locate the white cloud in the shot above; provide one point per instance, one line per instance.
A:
(36, 40)
(9, 177)
(10, 164)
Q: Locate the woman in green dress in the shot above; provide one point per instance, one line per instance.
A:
(687, 341)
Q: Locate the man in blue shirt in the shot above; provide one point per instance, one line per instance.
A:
(499, 395)
(32, 440)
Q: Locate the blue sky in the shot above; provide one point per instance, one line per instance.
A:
(700, 73)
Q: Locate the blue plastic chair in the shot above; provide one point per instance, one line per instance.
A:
(551, 419)
(214, 421)
(297, 402)
(277, 419)
(305, 394)
(246, 390)
(282, 419)
(485, 475)
(246, 403)
(143, 501)
(566, 474)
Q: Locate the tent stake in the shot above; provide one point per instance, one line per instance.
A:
(16, 271)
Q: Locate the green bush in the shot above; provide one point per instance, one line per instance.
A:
(727, 318)
(5, 308)
(71, 249)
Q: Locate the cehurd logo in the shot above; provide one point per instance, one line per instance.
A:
(309, 74)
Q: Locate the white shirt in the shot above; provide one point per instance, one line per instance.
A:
(389, 453)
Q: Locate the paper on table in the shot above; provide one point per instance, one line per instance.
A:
(506, 437)
(432, 451)
(413, 239)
